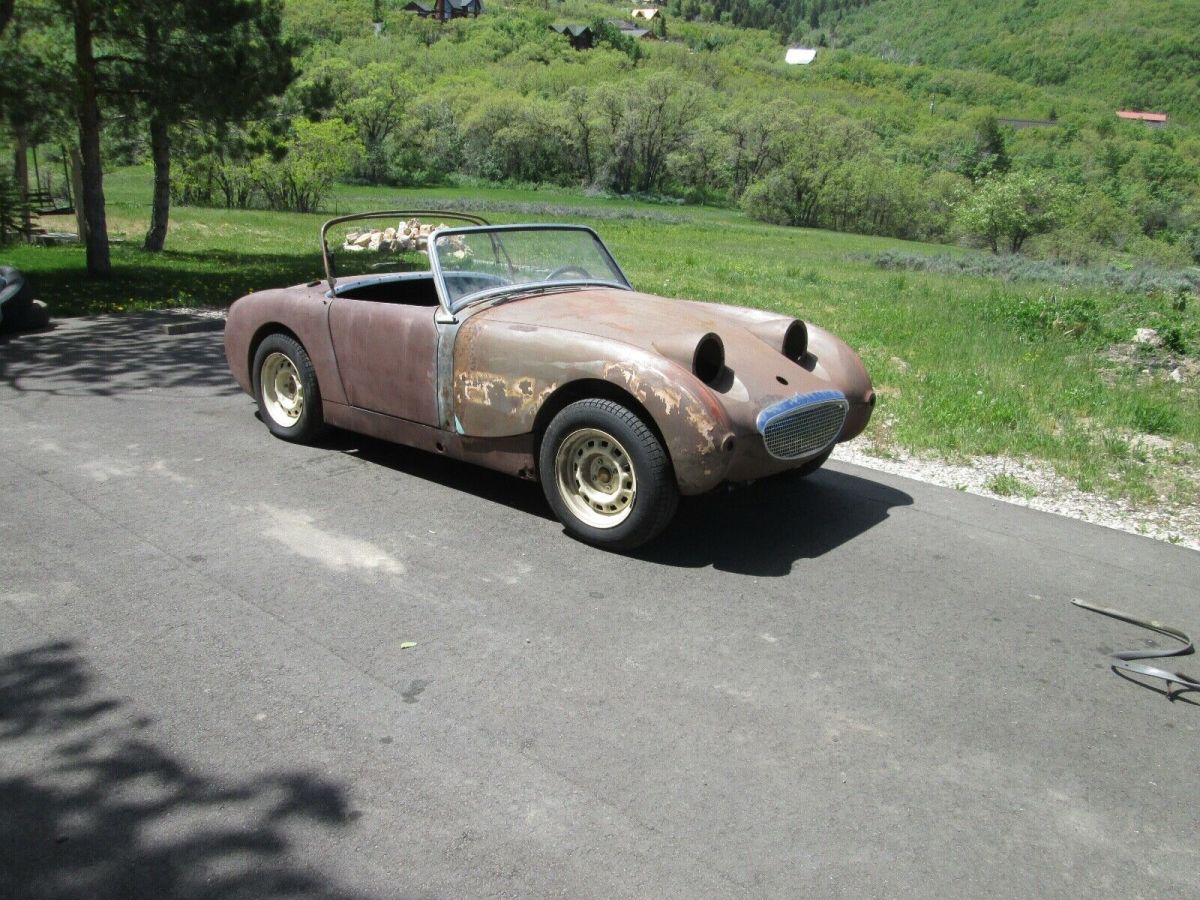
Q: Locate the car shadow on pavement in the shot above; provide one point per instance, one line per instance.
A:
(762, 529)
(111, 356)
(93, 808)
(523, 496)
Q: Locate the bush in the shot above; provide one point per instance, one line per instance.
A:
(1007, 210)
(317, 154)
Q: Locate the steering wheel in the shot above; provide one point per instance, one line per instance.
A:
(579, 271)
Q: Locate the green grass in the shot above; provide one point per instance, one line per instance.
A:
(1007, 485)
(964, 364)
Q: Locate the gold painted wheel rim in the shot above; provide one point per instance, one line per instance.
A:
(595, 478)
(282, 390)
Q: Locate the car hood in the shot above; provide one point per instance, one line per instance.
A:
(761, 374)
(634, 318)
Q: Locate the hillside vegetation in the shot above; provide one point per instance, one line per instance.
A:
(1133, 54)
(712, 114)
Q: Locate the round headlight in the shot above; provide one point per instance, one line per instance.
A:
(709, 358)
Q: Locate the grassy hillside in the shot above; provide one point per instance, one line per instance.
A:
(1139, 54)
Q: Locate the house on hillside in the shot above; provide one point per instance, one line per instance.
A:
(1149, 119)
(649, 14)
(456, 9)
(1019, 124)
(416, 6)
(630, 30)
(580, 36)
(799, 56)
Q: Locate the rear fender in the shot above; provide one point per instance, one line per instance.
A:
(301, 311)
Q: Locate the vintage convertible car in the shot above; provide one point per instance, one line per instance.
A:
(525, 349)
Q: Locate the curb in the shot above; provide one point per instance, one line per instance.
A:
(191, 326)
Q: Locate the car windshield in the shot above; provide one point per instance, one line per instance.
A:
(479, 262)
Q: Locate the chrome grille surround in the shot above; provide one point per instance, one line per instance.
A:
(803, 425)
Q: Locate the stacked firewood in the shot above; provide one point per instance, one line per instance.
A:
(411, 235)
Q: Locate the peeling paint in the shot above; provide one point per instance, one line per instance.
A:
(670, 399)
(706, 426)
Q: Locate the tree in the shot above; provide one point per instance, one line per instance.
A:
(219, 61)
(87, 105)
(1007, 210)
(988, 151)
(33, 102)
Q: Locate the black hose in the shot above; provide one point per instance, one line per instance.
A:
(1126, 659)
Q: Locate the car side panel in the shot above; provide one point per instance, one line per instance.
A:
(387, 355)
(303, 311)
(503, 373)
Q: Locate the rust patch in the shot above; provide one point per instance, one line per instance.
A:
(669, 399)
(517, 397)
(705, 425)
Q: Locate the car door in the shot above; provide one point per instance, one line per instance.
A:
(387, 356)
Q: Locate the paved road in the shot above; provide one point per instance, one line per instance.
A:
(858, 686)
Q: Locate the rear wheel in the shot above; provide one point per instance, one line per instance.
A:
(285, 385)
(606, 475)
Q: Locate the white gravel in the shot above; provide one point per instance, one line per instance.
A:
(1177, 525)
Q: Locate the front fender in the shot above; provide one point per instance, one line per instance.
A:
(504, 373)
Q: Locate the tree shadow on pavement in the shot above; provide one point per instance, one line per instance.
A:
(112, 356)
(93, 808)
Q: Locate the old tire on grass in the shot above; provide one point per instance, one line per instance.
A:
(606, 475)
(285, 386)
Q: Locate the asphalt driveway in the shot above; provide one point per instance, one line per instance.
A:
(855, 686)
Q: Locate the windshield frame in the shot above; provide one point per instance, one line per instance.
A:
(439, 275)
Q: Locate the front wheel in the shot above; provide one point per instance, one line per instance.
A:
(606, 475)
(285, 386)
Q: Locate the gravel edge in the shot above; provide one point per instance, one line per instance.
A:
(1175, 525)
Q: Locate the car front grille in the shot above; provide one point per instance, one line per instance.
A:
(803, 425)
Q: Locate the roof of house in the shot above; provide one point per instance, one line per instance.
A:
(648, 13)
(573, 30)
(1028, 123)
(800, 56)
(630, 30)
(1143, 116)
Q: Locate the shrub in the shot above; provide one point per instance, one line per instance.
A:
(317, 154)
(1007, 210)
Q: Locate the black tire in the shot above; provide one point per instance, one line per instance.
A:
(655, 495)
(309, 424)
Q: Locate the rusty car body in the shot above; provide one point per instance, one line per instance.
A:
(524, 348)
